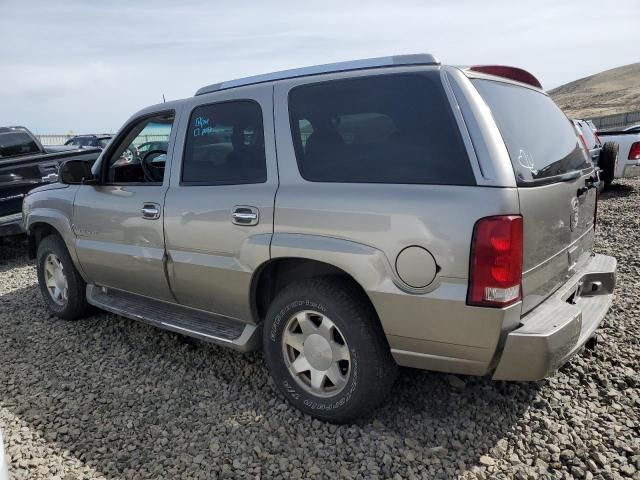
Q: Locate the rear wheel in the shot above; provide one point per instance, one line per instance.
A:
(62, 287)
(326, 350)
(607, 162)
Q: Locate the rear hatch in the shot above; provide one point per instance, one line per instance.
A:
(553, 175)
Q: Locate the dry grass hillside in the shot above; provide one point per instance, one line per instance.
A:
(605, 93)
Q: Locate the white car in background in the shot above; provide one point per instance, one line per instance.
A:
(628, 140)
(4, 467)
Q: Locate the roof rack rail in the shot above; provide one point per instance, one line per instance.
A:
(378, 62)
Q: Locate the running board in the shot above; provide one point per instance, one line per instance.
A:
(188, 321)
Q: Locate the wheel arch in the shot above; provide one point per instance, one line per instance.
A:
(39, 227)
(37, 232)
(300, 257)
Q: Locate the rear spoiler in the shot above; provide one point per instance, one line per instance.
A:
(512, 73)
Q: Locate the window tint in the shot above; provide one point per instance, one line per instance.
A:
(16, 143)
(128, 164)
(225, 145)
(540, 139)
(383, 129)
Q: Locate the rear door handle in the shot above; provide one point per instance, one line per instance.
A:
(245, 215)
(150, 211)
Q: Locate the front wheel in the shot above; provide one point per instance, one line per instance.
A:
(62, 287)
(326, 350)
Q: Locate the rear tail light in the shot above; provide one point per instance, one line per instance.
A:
(634, 153)
(598, 141)
(584, 144)
(495, 273)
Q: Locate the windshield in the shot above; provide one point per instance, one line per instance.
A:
(17, 143)
(541, 141)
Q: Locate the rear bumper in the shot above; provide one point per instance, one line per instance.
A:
(561, 325)
(11, 225)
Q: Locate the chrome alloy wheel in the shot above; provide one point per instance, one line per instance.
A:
(316, 353)
(55, 279)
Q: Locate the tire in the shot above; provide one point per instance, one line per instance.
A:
(52, 254)
(607, 162)
(365, 378)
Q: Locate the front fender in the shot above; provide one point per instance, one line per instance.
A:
(53, 208)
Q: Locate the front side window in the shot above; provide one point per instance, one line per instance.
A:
(13, 144)
(129, 164)
(383, 129)
(225, 145)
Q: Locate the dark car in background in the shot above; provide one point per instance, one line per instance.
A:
(96, 141)
(25, 164)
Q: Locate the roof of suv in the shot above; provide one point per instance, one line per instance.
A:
(378, 62)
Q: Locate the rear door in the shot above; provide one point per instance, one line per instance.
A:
(552, 172)
(219, 207)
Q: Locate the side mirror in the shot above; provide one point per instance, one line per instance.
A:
(75, 172)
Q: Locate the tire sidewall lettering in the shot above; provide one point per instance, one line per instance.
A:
(289, 387)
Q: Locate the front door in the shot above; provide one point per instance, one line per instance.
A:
(219, 207)
(119, 223)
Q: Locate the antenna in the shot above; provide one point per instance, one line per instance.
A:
(163, 99)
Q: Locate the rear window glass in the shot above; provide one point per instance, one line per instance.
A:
(541, 141)
(13, 144)
(382, 129)
(225, 145)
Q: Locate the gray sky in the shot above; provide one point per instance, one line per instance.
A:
(87, 65)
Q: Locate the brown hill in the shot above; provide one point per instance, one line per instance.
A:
(605, 93)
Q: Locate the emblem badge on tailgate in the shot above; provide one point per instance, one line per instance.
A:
(575, 214)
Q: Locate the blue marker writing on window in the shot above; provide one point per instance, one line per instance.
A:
(202, 122)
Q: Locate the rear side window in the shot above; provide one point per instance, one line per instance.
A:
(225, 145)
(13, 144)
(382, 129)
(541, 141)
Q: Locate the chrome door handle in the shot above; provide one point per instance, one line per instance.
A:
(245, 215)
(150, 211)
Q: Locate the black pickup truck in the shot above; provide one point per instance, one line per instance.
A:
(24, 165)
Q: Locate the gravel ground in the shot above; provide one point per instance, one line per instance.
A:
(111, 398)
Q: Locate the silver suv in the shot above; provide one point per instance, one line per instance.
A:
(346, 219)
